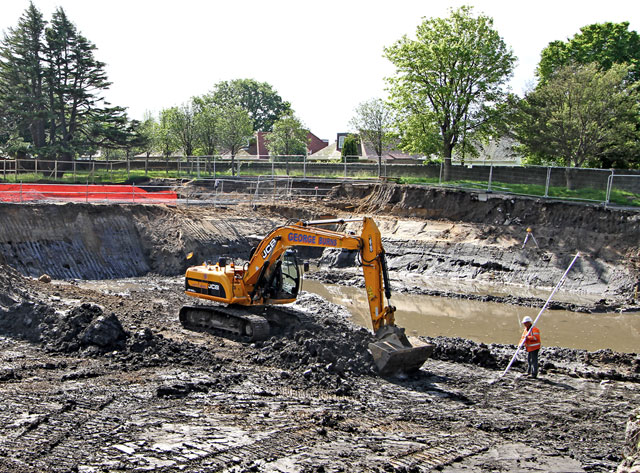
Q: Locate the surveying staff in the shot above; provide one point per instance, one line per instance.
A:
(532, 344)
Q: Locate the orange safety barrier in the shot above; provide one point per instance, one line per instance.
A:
(81, 192)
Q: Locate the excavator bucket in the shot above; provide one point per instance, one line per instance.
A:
(394, 354)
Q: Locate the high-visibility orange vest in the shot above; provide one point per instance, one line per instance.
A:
(532, 342)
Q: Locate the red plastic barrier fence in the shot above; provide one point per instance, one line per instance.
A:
(76, 192)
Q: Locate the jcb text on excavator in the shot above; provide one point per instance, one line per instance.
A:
(272, 276)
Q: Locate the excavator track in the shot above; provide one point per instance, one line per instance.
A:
(225, 321)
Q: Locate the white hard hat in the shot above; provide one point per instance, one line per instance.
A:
(527, 319)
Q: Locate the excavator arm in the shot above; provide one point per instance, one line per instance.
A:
(368, 244)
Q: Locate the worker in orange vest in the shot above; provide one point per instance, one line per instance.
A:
(532, 344)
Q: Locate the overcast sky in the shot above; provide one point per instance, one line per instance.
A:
(324, 57)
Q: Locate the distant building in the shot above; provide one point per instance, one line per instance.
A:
(258, 147)
(367, 152)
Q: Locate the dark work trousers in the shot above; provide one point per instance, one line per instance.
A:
(532, 359)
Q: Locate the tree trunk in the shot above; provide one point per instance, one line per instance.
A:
(233, 162)
(446, 175)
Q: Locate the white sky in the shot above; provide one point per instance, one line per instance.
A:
(325, 57)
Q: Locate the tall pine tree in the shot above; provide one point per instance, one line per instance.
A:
(22, 69)
(51, 90)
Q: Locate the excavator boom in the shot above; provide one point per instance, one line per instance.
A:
(272, 277)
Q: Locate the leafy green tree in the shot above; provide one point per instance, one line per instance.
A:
(182, 123)
(579, 115)
(148, 131)
(168, 142)
(236, 129)
(288, 138)
(448, 82)
(605, 44)
(263, 104)
(374, 121)
(206, 122)
(350, 148)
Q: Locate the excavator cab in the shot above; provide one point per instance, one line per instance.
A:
(284, 283)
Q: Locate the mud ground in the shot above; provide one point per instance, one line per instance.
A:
(100, 376)
(143, 393)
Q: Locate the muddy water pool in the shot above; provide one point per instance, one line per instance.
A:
(491, 322)
(487, 322)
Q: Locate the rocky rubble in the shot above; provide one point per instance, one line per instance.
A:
(325, 349)
(631, 463)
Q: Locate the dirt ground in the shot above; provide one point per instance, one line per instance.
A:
(97, 375)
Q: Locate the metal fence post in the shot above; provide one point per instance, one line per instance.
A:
(345, 167)
(609, 186)
(440, 176)
(546, 187)
(304, 164)
(214, 167)
(198, 166)
(20, 190)
(490, 178)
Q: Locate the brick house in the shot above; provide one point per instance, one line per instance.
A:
(258, 147)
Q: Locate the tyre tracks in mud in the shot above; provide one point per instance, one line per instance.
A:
(91, 415)
(175, 410)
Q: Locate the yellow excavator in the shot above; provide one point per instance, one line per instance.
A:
(272, 276)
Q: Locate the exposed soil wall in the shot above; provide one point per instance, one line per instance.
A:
(429, 234)
(480, 237)
(89, 241)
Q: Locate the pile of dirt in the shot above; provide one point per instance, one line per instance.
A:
(326, 349)
(12, 287)
(83, 327)
(20, 315)
(631, 463)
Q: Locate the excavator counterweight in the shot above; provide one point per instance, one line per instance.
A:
(272, 276)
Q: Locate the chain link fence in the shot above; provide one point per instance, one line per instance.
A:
(611, 188)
